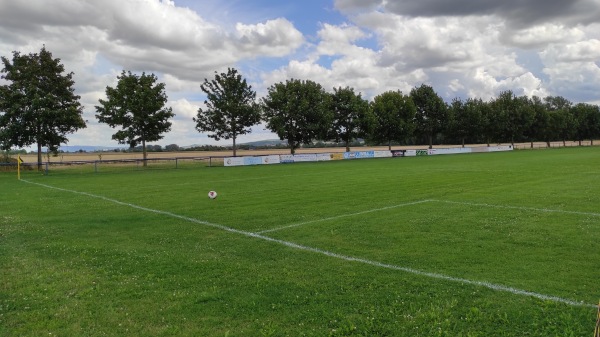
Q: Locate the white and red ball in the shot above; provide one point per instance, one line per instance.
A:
(212, 194)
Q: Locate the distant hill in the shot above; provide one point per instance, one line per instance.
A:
(87, 148)
(268, 142)
(92, 148)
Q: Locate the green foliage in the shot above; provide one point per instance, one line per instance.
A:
(540, 127)
(352, 117)
(38, 105)
(587, 117)
(77, 265)
(172, 148)
(515, 116)
(432, 112)
(137, 106)
(231, 107)
(466, 120)
(298, 111)
(394, 115)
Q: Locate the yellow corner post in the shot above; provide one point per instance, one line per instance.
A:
(19, 162)
(597, 329)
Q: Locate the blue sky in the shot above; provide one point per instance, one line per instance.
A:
(463, 48)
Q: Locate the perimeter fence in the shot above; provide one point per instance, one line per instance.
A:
(117, 165)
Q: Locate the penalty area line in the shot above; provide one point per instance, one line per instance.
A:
(343, 216)
(521, 208)
(492, 286)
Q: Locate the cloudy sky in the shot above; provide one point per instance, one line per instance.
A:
(463, 48)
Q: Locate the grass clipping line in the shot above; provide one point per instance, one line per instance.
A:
(492, 286)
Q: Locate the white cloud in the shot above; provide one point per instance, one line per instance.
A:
(273, 38)
(542, 35)
(582, 51)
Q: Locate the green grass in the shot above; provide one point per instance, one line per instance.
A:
(345, 251)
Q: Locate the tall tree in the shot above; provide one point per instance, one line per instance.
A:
(394, 115)
(562, 125)
(352, 117)
(297, 111)
(588, 121)
(231, 107)
(432, 112)
(515, 116)
(137, 106)
(38, 105)
(540, 128)
(562, 122)
(465, 119)
(490, 121)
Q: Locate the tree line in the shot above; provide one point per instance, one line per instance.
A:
(38, 106)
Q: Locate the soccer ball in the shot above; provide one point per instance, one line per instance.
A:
(212, 194)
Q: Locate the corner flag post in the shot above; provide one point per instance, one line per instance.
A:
(597, 330)
(19, 162)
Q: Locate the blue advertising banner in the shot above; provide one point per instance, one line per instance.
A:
(253, 161)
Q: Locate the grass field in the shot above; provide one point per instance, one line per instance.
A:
(498, 244)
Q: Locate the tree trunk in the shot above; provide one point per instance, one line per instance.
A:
(39, 153)
(144, 155)
(463, 142)
(531, 146)
(592, 142)
(431, 141)
(390, 145)
(548, 144)
(347, 146)
(234, 148)
(580, 142)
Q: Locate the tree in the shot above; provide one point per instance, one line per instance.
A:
(394, 115)
(490, 120)
(465, 119)
(172, 148)
(231, 107)
(431, 116)
(540, 128)
(352, 117)
(137, 105)
(562, 125)
(38, 105)
(515, 116)
(588, 121)
(562, 122)
(297, 111)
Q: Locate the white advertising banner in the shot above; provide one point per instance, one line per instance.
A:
(299, 158)
(266, 160)
(500, 148)
(323, 156)
(252, 161)
(382, 154)
(286, 158)
(479, 149)
(234, 161)
(453, 150)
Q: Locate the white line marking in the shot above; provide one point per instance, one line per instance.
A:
(547, 210)
(343, 216)
(488, 285)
